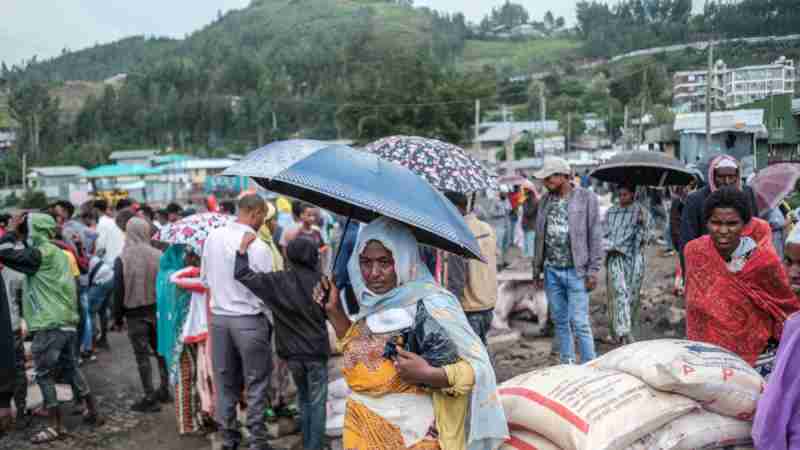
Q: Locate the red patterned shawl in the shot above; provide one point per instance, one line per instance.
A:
(738, 311)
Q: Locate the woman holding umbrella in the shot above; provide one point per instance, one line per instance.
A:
(447, 380)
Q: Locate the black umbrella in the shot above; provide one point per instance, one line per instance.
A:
(644, 169)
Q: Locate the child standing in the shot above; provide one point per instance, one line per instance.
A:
(301, 336)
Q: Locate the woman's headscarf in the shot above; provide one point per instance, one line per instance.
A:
(721, 162)
(487, 422)
(139, 264)
(266, 235)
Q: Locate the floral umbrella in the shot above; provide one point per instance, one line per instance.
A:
(193, 230)
(445, 166)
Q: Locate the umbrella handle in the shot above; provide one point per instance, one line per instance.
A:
(341, 239)
(663, 179)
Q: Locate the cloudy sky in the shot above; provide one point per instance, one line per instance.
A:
(45, 27)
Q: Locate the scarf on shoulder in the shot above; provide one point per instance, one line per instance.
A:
(740, 311)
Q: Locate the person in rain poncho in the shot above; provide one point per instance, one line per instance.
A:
(50, 308)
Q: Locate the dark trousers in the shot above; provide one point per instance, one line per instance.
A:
(53, 352)
(241, 357)
(21, 385)
(311, 378)
(481, 323)
(142, 334)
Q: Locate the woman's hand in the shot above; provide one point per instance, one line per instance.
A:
(413, 369)
(326, 295)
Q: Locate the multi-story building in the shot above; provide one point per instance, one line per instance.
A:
(689, 91)
(732, 87)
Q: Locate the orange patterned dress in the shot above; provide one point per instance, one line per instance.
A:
(378, 392)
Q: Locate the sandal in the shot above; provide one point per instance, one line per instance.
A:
(93, 420)
(6, 423)
(46, 436)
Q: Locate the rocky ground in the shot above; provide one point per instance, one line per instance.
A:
(115, 380)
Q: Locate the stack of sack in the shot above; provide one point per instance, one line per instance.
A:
(338, 391)
(652, 395)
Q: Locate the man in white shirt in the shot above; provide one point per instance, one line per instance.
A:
(110, 239)
(108, 246)
(240, 326)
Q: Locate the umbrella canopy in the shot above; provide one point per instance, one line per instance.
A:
(193, 230)
(774, 183)
(359, 185)
(445, 166)
(644, 169)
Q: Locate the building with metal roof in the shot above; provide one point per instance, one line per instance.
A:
(133, 157)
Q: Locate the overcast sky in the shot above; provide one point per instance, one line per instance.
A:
(44, 27)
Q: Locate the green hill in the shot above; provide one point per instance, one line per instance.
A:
(519, 56)
(298, 34)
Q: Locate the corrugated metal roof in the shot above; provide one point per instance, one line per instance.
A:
(132, 154)
(121, 170)
(736, 119)
(196, 164)
(501, 131)
(58, 171)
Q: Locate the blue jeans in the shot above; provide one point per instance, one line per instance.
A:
(85, 330)
(99, 297)
(530, 244)
(569, 304)
(311, 378)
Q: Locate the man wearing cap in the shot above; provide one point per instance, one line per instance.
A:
(568, 254)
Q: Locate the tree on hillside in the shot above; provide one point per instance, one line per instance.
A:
(508, 15)
(31, 105)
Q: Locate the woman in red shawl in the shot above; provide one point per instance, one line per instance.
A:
(738, 295)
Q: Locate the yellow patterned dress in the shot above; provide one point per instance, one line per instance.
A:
(384, 412)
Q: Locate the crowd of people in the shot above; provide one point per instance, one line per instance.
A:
(232, 317)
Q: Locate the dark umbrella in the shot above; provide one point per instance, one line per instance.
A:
(445, 166)
(361, 186)
(774, 183)
(644, 169)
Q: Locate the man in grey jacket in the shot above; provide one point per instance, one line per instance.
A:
(568, 256)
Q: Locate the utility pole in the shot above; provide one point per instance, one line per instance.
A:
(476, 144)
(510, 140)
(640, 135)
(569, 131)
(25, 171)
(542, 113)
(625, 132)
(709, 78)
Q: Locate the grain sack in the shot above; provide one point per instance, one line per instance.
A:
(524, 440)
(585, 408)
(698, 430)
(718, 379)
(338, 391)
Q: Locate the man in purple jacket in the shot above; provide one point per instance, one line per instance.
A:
(568, 256)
